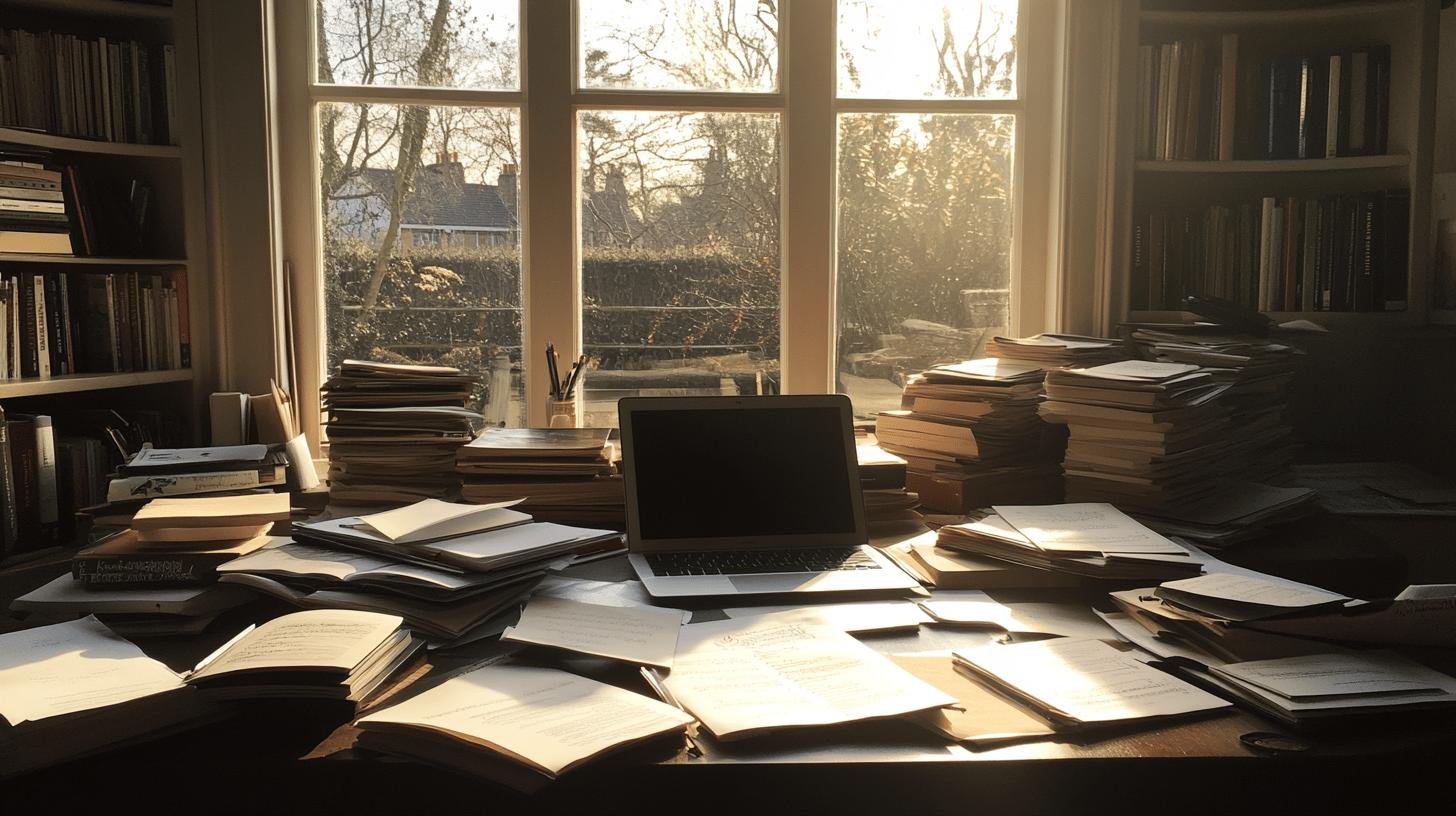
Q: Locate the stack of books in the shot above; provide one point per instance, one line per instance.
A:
(154, 472)
(970, 435)
(454, 572)
(1058, 350)
(394, 430)
(181, 542)
(1144, 435)
(882, 482)
(567, 475)
(33, 217)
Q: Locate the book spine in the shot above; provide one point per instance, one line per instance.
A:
(42, 328)
(71, 326)
(1395, 249)
(1310, 260)
(1227, 95)
(134, 321)
(144, 570)
(128, 488)
(1359, 97)
(1333, 105)
(169, 62)
(1266, 250)
(55, 323)
(46, 487)
(25, 473)
(1292, 242)
(1379, 127)
(114, 325)
(9, 509)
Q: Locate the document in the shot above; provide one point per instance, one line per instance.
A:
(646, 636)
(549, 719)
(314, 638)
(75, 666)
(974, 608)
(433, 519)
(1137, 370)
(1245, 597)
(1093, 527)
(219, 511)
(1329, 676)
(1085, 681)
(749, 676)
(981, 716)
(855, 618)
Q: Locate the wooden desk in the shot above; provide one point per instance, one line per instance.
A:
(251, 763)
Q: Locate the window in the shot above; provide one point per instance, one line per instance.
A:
(704, 197)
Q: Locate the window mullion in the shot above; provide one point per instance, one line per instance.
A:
(549, 257)
(808, 197)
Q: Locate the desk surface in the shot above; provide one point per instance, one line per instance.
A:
(253, 762)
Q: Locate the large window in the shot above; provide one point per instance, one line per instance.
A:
(702, 196)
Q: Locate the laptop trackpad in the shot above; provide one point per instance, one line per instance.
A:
(770, 583)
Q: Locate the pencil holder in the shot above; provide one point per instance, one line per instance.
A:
(564, 413)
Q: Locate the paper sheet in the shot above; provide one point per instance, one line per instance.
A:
(855, 618)
(74, 666)
(1089, 681)
(1321, 676)
(1092, 527)
(1253, 589)
(432, 518)
(643, 635)
(301, 459)
(551, 719)
(981, 716)
(337, 638)
(742, 677)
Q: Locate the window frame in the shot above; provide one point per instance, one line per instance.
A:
(549, 98)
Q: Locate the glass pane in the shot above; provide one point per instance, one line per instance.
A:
(891, 49)
(680, 255)
(422, 259)
(424, 43)
(924, 245)
(679, 45)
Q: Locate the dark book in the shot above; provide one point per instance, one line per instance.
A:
(1313, 101)
(25, 472)
(1139, 278)
(55, 325)
(9, 510)
(122, 560)
(1363, 289)
(1395, 249)
(1289, 262)
(29, 347)
(1281, 140)
(1157, 259)
(1379, 94)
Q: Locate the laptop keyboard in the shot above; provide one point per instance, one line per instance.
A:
(749, 562)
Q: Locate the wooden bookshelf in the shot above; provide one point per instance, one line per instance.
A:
(73, 260)
(1409, 27)
(68, 144)
(73, 383)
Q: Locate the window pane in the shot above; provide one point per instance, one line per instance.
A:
(891, 49)
(680, 255)
(422, 258)
(679, 45)
(425, 43)
(924, 245)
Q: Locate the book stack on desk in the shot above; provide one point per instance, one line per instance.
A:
(1258, 397)
(450, 570)
(153, 472)
(970, 435)
(882, 481)
(1059, 350)
(182, 541)
(567, 475)
(393, 431)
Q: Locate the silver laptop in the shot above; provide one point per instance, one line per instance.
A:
(747, 496)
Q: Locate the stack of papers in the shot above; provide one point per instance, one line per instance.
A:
(367, 384)
(132, 611)
(971, 428)
(76, 687)
(1247, 597)
(325, 653)
(1078, 683)
(1258, 398)
(1058, 350)
(519, 725)
(1090, 540)
(1237, 512)
(568, 475)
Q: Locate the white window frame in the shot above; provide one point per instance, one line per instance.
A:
(549, 98)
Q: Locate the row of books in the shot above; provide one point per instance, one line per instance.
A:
(73, 322)
(91, 88)
(53, 208)
(1200, 100)
(1338, 253)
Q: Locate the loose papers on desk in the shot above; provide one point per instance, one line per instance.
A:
(1084, 682)
(1247, 597)
(434, 520)
(981, 717)
(754, 675)
(1090, 527)
(992, 536)
(857, 618)
(642, 635)
(476, 552)
(548, 720)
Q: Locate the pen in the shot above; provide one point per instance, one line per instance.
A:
(575, 375)
(551, 368)
(655, 683)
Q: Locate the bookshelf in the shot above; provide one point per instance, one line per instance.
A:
(176, 235)
(1178, 184)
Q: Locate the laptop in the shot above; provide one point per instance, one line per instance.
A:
(731, 496)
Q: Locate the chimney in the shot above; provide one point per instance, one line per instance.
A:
(505, 187)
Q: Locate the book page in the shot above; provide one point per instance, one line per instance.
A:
(1092, 527)
(1336, 675)
(756, 674)
(75, 666)
(314, 638)
(1253, 589)
(293, 559)
(854, 618)
(432, 518)
(643, 635)
(549, 718)
(1088, 681)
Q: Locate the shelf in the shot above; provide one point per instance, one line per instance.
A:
(1276, 165)
(72, 145)
(71, 260)
(1322, 14)
(73, 383)
(108, 8)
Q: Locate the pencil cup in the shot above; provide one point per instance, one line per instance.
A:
(564, 413)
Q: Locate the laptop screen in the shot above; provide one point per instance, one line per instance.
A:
(775, 470)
